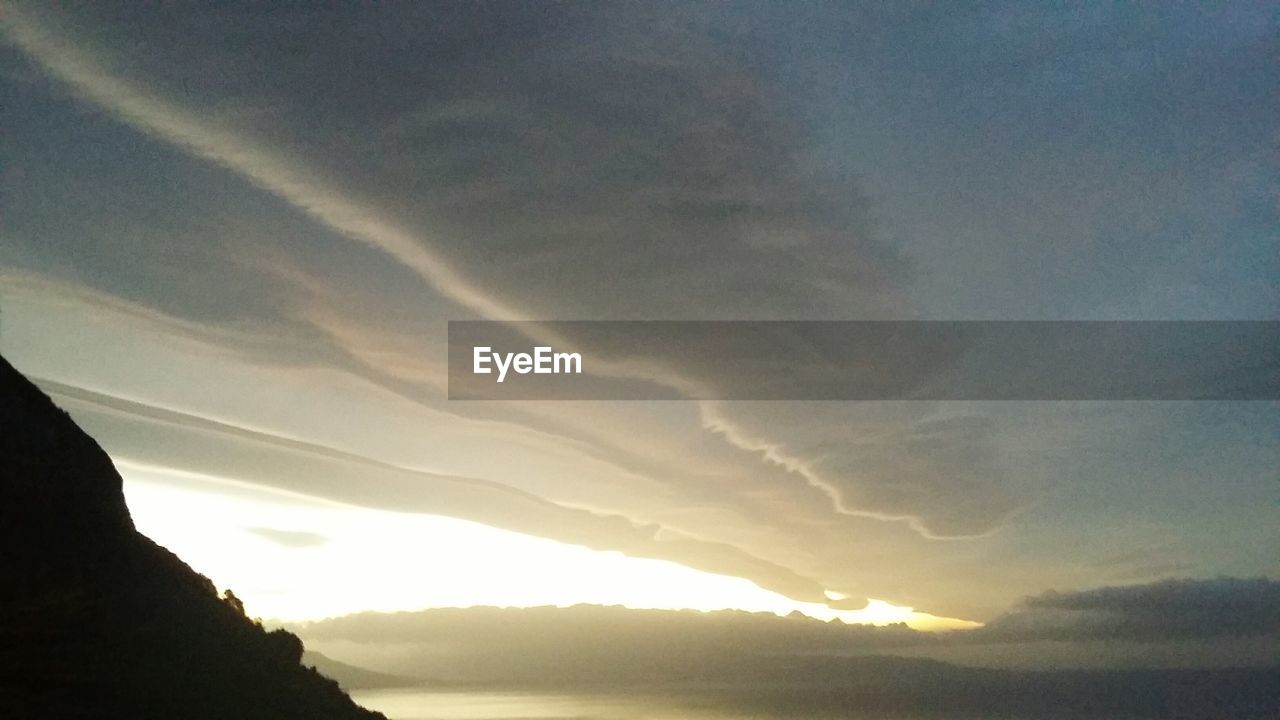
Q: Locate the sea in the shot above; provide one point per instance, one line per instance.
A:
(419, 704)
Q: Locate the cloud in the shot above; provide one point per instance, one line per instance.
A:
(258, 164)
(937, 469)
(290, 538)
(649, 173)
(1160, 611)
(157, 437)
(379, 172)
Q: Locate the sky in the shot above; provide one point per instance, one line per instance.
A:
(231, 237)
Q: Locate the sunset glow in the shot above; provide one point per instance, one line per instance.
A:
(295, 558)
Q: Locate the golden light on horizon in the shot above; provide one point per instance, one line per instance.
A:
(294, 558)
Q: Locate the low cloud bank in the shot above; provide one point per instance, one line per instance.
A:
(1160, 611)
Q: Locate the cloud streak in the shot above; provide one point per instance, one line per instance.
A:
(288, 180)
(213, 448)
(258, 165)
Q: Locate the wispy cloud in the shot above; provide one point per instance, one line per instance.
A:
(290, 538)
(259, 165)
(180, 440)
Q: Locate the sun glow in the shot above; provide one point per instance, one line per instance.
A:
(295, 558)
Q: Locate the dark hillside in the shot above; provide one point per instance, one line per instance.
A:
(97, 621)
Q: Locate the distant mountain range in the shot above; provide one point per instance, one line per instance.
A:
(350, 677)
(761, 665)
(97, 621)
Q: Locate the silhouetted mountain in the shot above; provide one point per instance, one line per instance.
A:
(97, 621)
(761, 665)
(350, 677)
